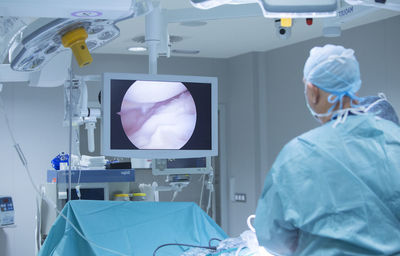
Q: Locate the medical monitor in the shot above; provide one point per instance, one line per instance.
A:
(159, 116)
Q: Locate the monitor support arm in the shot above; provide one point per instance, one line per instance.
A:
(81, 113)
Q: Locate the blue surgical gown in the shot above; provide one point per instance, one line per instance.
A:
(334, 191)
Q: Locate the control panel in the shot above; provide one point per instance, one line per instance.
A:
(6, 211)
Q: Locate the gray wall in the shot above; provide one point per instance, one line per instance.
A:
(36, 116)
(243, 136)
(262, 94)
(377, 49)
(266, 107)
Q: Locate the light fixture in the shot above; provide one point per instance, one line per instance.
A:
(137, 49)
(45, 38)
(393, 5)
(10, 28)
(41, 40)
(281, 8)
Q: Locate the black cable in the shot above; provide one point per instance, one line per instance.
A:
(213, 239)
(187, 245)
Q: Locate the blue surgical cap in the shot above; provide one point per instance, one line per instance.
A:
(333, 69)
(379, 106)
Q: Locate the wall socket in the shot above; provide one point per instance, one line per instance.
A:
(240, 197)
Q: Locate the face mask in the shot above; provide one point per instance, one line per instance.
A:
(315, 115)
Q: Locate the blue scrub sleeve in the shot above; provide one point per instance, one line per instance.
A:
(273, 230)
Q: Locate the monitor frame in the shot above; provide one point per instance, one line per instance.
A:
(97, 185)
(156, 153)
(160, 167)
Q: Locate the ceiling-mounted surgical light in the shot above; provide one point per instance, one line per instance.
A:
(208, 4)
(298, 9)
(281, 8)
(384, 4)
(10, 29)
(43, 39)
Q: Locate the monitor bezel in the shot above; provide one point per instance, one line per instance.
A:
(156, 153)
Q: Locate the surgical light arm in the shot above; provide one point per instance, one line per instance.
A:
(81, 113)
(90, 125)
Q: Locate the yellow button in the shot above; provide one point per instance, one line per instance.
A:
(286, 22)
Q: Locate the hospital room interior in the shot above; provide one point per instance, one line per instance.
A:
(158, 127)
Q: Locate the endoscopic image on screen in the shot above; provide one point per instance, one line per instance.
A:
(158, 115)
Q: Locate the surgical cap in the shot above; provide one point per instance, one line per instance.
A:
(382, 108)
(333, 69)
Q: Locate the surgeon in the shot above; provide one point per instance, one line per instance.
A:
(335, 190)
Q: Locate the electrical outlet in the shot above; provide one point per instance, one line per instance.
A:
(240, 197)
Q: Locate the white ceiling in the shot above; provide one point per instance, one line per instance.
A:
(229, 37)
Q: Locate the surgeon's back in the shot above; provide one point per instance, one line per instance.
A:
(336, 194)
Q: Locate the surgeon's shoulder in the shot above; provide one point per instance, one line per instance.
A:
(299, 148)
(296, 150)
(391, 129)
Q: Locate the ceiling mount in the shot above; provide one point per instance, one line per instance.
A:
(172, 39)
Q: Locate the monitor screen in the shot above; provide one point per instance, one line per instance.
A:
(159, 116)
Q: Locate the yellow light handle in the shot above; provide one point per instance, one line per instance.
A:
(286, 22)
(75, 39)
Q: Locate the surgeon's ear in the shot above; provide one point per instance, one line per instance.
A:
(314, 92)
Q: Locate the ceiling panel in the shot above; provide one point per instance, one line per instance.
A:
(229, 37)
